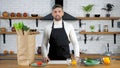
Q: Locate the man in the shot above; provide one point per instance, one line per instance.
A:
(59, 34)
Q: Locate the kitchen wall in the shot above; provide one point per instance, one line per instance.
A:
(73, 7)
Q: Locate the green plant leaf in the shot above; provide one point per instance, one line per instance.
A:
(88, 8)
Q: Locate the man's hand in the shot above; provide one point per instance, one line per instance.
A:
(77, 59)
(46, 59)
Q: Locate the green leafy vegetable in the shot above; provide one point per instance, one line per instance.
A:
(20, 26)
(25, 28)
(89, 60)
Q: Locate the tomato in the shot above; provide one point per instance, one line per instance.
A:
(39, 63)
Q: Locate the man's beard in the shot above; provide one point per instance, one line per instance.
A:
(57, 18)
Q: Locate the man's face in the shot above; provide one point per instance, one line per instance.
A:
(57, 13)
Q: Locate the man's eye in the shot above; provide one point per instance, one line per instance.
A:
(55, 11)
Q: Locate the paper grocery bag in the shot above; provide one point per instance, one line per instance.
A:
(31, 48)
(25, 49)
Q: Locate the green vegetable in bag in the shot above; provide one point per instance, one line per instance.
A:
(21, 26)
(25, 28)
(18, 26)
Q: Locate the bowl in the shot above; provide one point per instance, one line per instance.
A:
(93, 62)
(34, 15)
(33, 30)
(97, 15)
(3, 29)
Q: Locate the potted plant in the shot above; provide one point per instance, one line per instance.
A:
(108, 8)
(92, 28)
(87, 9)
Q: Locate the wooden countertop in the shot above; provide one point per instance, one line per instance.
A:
(81, 56)
(13, 63)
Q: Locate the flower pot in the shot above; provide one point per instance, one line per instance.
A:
(18, 14)
(3, 29)
(107, 15)
(25, 14)
(12, 14)
(97, 15)
(5, 14)
(87, 15)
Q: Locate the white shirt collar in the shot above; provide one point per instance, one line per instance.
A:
(57, 22)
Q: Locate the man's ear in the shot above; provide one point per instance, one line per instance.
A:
(63, 13)
(52, 13)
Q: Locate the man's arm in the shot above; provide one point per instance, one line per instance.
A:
(74, 41)
(44, 43)
(44, 46)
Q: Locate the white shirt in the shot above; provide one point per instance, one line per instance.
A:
(69, 31)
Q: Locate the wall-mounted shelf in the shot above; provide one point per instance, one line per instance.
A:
(21, 17)
(10, 18)
(15, 32)
(99, 32)
(102, 33)
(98, 18)
(4, 33)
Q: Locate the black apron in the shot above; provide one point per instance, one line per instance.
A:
(59, 44)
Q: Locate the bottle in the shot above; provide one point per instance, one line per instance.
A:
(83, 27)
(105, 28)
(108, 53)
(99, 30)
(39, 51)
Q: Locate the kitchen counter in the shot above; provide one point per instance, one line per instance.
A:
(13, 63)
(14, 56)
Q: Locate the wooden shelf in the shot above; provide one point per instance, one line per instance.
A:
(98, 18)
(10, 18)
(4, 34)
(21, 17)
(15, 32)
(99, 32)
(82, 18)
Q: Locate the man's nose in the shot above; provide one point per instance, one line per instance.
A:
(57, 13)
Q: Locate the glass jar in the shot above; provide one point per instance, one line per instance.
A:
(83, 27)
(39, 51)
(105, 28)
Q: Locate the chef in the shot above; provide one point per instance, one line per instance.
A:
(59, 34)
